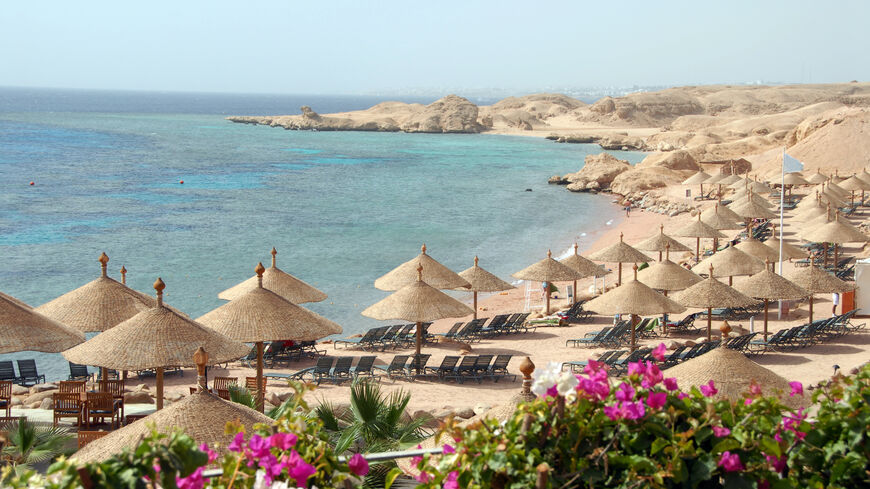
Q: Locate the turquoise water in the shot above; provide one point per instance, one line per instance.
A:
(341, 208)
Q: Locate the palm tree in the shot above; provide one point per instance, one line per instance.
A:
(28, 444)
(375, 422)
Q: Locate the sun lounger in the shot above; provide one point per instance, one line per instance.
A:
(447, 367)
(590, 339)
(498, 369)
(364, 367)
(27, 374)
(453, 330)
(322, 369)
(417, 364)
(577, 366)
(620, 367)
(78, 372)
(396, 366)
(465, 370)
(370, 338)
(577, 314)
(7, 371)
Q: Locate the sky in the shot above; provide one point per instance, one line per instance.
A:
(354, 47)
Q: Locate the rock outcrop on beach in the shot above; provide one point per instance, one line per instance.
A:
(451, 114)
(597, 173)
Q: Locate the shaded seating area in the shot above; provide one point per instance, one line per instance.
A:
(805, 335)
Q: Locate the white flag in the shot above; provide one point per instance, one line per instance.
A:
(791, 164)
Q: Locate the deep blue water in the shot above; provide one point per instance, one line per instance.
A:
(341, 208)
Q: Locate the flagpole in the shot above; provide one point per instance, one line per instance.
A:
(781, 212)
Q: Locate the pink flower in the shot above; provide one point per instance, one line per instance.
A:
(283, 441)
(452, 481)
(796, 389)
(299, 470)
(212, 456)
(659, 352)
(259, 446)
(777, 463)
(730, 462)
(633, 410)
(553, 391)
(625, 392)
(448, 450)
(652, 376)
(238, 443)
(423, 477)
(415, 461)
(721, 431)
(593, 367)
(755, 389)
(613, 413)
(682, 395)
(193, 481)
(637, 367)
(656, 400)
(358, 465)
(671, 384)
(747, 401)
(709, 390)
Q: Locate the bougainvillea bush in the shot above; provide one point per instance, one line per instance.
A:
(642, 431)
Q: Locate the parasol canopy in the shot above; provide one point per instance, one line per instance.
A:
(619, 252)
(698, 178)
(717, 218)
(667, 275)
(792, 179)
(548, 270)
(710, 293)
(16, 301)
(817, 281)
(730, 179)
(817, 177)
(748, 209)
(661, 242)
(835, 231)
(697, 229)
(771, 286)
(482, 281)
(730, 262)
(583, 265)
(633, 298)
(435, 274)
(758, 249)
(714, 179)
(23, 329)
(279, 282)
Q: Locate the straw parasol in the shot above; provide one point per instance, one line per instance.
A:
(732, 373)
(720, 218)
(789, 251)
(156, 338)
(715, 179)
(813, 211)
(697, 229)
(619, 253)
(793, 178)
(749, 210)
(661, 242)
(262, 315)
(436, 274)
(817, 281)
(852, 184)
(418, 302)
(754, 198)
(16, 301)
(817, 177)
(548, 270)
(482, 281)
(710, 293)
(837, 232)
(730, 263)
(753, 247)
(697, 179)
(23, 329)
(202, 416)
(767, 285)
(98, 305)
(636, 299)
(730, 179)
(279, 282)
(742, 183)
(584, 266)
(667, 276)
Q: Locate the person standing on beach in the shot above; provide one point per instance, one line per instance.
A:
(835, 298)
(544, 287)
(627, 209)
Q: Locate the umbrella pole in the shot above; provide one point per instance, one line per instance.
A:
(547, 313)
(826, 256)
(475, 304)
(811, 307)
(698, 249)
(660, 256)
(419, 328)
(709, 323)
(633, 334)
(574, 296)
(836, 254)
(104, 374)
(619, 278)
(731, 281)
(261, 396)
(765, 319)
(159, 388)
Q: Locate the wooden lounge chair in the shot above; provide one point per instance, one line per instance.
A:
(27, 374)
(116, 389)
(6, 396)
(85, 437)
(72, 386)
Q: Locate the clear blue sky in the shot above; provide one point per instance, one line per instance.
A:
(328, 47)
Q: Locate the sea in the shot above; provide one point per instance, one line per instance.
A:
(84, 172)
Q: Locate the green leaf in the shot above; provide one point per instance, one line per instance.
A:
(737, 481)
(658, 445)
(770, 446)
(391, 477)
(724, 445)
(701, 469)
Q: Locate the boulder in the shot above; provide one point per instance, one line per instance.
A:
(33, 405)
(603, 106)
(38, 397)
(481, 408)
(139, 397)
(18, 390)
(284, 396)
(173, 396)
(674, 160)
(557, 180)
(16, 401)
(273, 398)
(450, 114)
(641, 179)
(47, 403)
(464, 413)
(601, 168)
(141, 387)
(43, 387)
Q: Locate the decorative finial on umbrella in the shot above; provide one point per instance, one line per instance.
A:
(420, 272)
(200, 358)
(274, 253)
(667, 251)
(123, 275)
(159, 286)
(423, 248)
(711, 270)
(715, 208)
(837, 215)
(475, 260)
(575, 249)
(549, 254)
(260, 269)
(104, 263)
(620, 237)
(526, 368)
(635, 271)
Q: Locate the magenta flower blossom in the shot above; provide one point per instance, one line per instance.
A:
(797, 389)
(652, 376)
(625, 392)
(637, 367)
(612, 412)
(358, 465)
(755, 389)
(259, 446)
(656, 400)
(593, 367)
(777, 463)
(709, 390)
(298, 469)
(721, 431)
(423, 477)
(682, 395)
(238, 443)
(633, 410)
(671, 384)
(212, 456)
(730, 462)
(448, 450)
(452, 481)
(747, 401)
(659, 352)
(193, 481)
(283, 441)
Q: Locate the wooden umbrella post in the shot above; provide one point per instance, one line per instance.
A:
(619, 275)
(547, 312)
(419, 345)
(260, 394)
(159, 388)
(765, 319)
(474, 294)
(698, 249)
(709, 323)
(633, 334)
(812, 265)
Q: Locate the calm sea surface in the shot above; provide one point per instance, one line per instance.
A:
(341, 208)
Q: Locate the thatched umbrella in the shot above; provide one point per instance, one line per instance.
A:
(730, 263)
(759, 187)
(697, 179)
(817, 281)
(721, 218)
(98, 305)
(636, 299)
(435, 274)
(789, 251)
(261, 315)
(852, 184)
(417, 302)
(742, 183)
(791, 179)
(583, 266)
(697, 229)
(482, 281)
(16, 301)
(710, 293)
(667, 276)
(730, 179)
(202, 416)
(817, 177)
(767, 285)
(718, 177)
(814, 210)
(835, 187)
(548, 270)
(753, 197)
(156, 338)
(661, 242)
(836, 178)
(619, 253)
(837, 232)
(749, 210)
(279, 282)
(23, 329)
(753, 247)
(733, 373)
